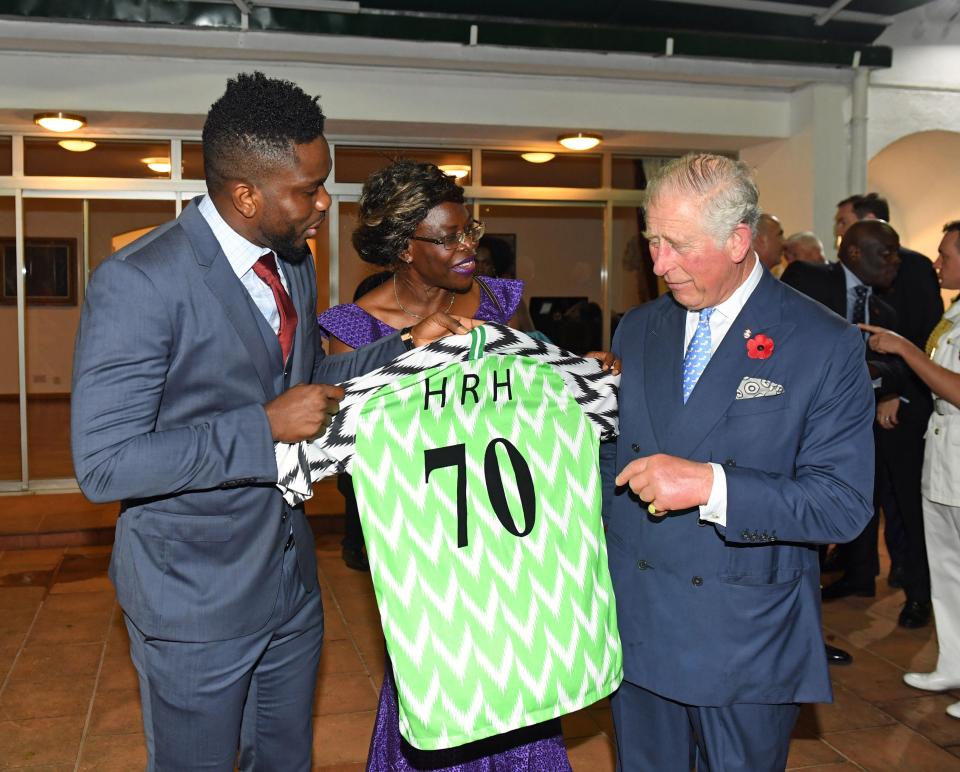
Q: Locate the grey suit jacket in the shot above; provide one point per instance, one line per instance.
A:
(172, 368)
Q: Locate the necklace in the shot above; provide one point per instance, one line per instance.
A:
(396, 295)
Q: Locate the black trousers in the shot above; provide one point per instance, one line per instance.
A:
(899, 468)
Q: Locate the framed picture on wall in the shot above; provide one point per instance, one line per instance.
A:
(51, 271)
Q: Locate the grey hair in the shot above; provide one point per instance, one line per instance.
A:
(724, 188)
(808, 237)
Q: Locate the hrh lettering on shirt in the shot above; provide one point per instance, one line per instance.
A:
(499, 387)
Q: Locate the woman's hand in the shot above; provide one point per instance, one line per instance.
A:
(440, 325)
(885, 341)
(607, 359)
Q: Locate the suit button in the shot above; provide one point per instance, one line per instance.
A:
(702, 523)
(635, 448)
(283, 517)
(643, 565)
(697, 581)
(730, 463)
(745, 535)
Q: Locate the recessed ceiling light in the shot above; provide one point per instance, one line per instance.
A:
(77, 145)
(538, 158)
(159, 165)
(60, 121)
(580, 140)
(457, 171)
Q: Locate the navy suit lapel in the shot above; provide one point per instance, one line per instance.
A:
(717, 386)
(662, 363)
(229, 290)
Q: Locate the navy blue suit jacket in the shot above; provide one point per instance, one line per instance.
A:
(172, 368)
(711, 615)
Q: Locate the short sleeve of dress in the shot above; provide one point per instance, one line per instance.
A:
(352, 325)
(507, 292)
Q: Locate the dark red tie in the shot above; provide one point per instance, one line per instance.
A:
(266, 269)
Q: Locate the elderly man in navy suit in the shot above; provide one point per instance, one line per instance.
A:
(745, 440)
(198, 348)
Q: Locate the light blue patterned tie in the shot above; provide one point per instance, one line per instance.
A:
(698, 353)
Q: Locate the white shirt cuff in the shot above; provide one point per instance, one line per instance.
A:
(715, 510)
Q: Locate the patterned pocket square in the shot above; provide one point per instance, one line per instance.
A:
(757, 387)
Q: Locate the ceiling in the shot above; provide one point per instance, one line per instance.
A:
(837, 33)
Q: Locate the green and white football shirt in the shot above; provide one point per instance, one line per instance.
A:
(479, 493)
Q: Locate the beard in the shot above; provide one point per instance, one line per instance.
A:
(289, 246)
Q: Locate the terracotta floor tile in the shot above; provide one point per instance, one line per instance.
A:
(892, 749)
(56, 628)
(116, 712)
(334, 628)
(66, 696)
(841, 766)
(355, 767)
(88, 603)
(12, 599)
(926, 714)
(342, 738)
(46, 559)
(360, 610)
(118, 674)
(114, 753)
(847, 711)
(872, 678)
(344, 693)
(340, 657)
(26, 577)
(93, 584)
(43, 662)
(40, 741)
(592, 754)
(810, 751)
(910, 649)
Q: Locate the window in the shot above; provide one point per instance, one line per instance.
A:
(44, 157)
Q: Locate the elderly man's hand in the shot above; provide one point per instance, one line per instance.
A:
(668, 483)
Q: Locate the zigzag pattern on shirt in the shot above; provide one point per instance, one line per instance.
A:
(594, 390)
(506, 631)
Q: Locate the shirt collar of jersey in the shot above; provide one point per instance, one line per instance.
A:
(241, 254)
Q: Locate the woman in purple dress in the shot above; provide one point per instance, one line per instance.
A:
(413, 220)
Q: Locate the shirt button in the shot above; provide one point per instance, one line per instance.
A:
(635, 448)
(936, 431)
(697, 581)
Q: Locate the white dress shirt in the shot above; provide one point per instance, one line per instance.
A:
(724, 314)
(242, 254)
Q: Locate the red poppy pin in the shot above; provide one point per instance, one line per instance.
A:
(759, 347)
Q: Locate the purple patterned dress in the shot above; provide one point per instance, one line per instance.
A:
(537, 748)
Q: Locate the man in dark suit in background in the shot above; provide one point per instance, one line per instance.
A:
(915, 296)
(857, 288)
(197, 350)
(735, 457)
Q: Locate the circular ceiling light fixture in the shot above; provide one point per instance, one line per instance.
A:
(538, 158)
(159, 165)
(580, 141)
(77, 145)
(457, 171)
(60, 122)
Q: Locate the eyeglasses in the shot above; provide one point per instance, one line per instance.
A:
(473, 232)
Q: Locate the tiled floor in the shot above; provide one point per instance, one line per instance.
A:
(68, 694)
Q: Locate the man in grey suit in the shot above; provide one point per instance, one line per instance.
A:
(197, 350)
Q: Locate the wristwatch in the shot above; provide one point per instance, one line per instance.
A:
(406, 335)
